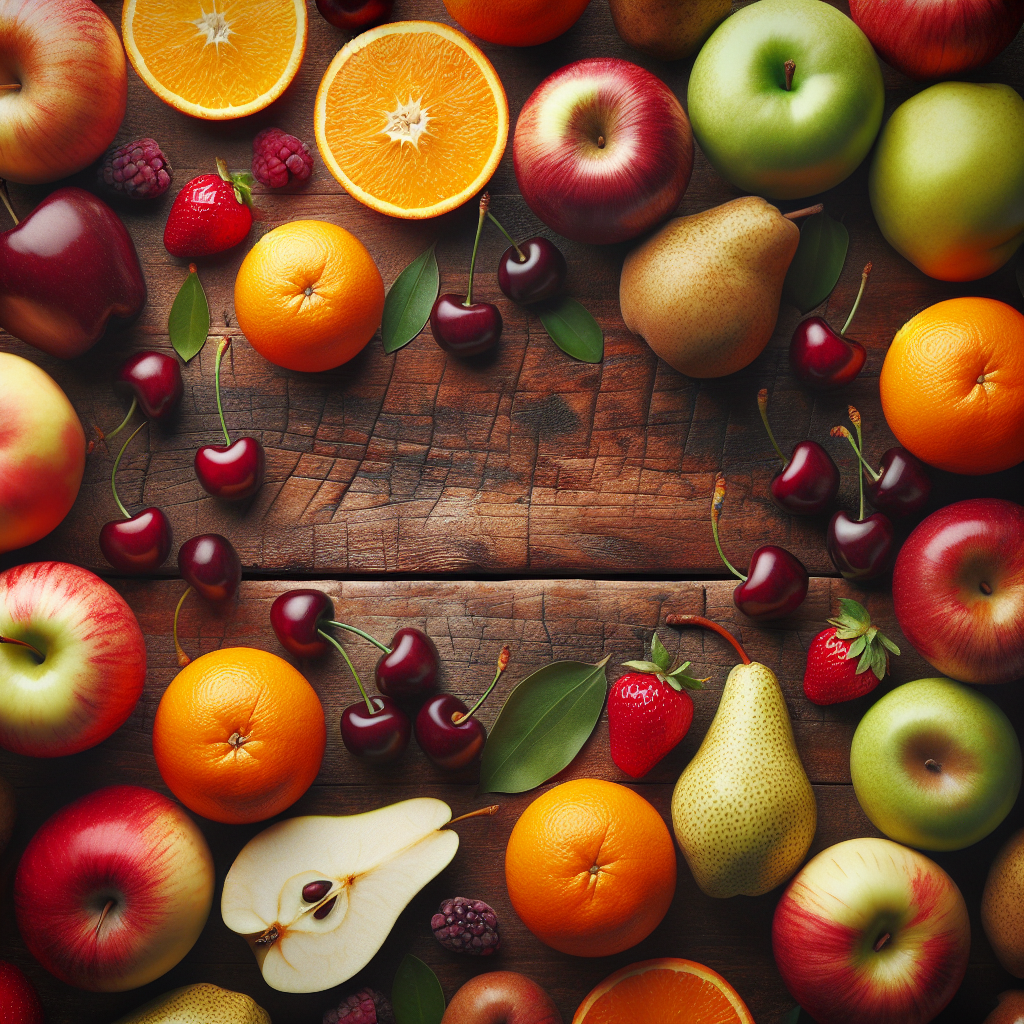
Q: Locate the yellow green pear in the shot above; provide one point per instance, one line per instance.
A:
(743, 810)
(704, 291)
(667, 29)
(199, 1004)
(1002, 905)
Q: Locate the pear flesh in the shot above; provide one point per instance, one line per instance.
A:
(743, 810)
(375, 863)
(704, 291)
(199, 1004)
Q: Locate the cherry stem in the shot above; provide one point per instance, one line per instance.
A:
(806, 212)
(458, 718)
(843, 432)
(485, 202)
(183, 658)
(355, 675)
(5, 196)
(704, 623)
(762, 405)
(358, 632)
(790, 68)
(716, 510)
(855, 420)
(22, 643)
(522, 255)
(117, 462)
(225, 344)
(124, 423)
(480, 812)
(856, 301)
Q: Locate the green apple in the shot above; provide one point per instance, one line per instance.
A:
(935, 764)
(947, 179)
(786, 98)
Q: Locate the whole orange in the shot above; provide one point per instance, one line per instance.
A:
(516, 22)
(952, 386)
(590, 868)
(308, 296)
(239, 735)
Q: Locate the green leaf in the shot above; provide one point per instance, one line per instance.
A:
(407, 307)
(416, 995)
(818, 262)
(679, 678)
(793, 1017)
(542, 725)
(659, 655)
(651, 667)
(888, 644)
(573, 329)
(189, 322)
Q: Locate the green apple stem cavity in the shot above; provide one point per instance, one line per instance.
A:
(856, 302)
(485, 203)
(762, 406)
(704, 623)
(458, 718)
(348, 661)
(717, 501)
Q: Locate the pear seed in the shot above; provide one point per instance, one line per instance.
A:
(321, 912)
(314, 892)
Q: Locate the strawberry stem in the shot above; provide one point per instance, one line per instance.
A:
(717, 501)
(856, 302)
(117, 462)
(762, 405)
(225, 344)
(458, 718)
(485, 202)
(704, 623)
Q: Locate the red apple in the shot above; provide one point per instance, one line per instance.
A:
(83, 673)
(603, 150)
(938, 38)
(871, 931)
(114, 889)
(69, 88)
(19, 1001)
(42, 453)
(958, 590)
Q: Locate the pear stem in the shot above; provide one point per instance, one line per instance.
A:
(855, 420)
(358, 632)
(225, 344)
(458, 718)
(183, 658)
(485, 202)
(790, 68)
(856, 301)
(5, 196)
(23, 643)
(117, 462)
(480, 812)
(806, 212)
(124, 423)
(762, 405)
(716, 510)
(522, 255)
(704, 623)
(355, 675)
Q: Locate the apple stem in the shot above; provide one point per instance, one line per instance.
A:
(103, 915)
(355, 675)
(485, 203)
(790, 68)
(855, 420)
(807, 211)
(5, 196)
(358, 632)
(882, 940)
(762, 405)
(480, 812)
(117, 462)
(458, 718)
(183, 658)
(10, 87)
(522, 255)
(124, 423)
(717, 500)
(856, 301)
(225, 344)
(704, 623)
(933, 766)
(22, 643)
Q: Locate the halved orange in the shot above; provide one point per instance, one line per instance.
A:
(669, 991)
(215, 59)
(411, 118)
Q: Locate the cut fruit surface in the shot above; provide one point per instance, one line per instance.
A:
(669, 991)
(215, 59)
(411, 118)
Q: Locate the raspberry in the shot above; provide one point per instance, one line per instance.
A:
(367, 1006)
(278, 159)
(466, 926)
(138, 170)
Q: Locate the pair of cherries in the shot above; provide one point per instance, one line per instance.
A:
(531, 272)
(377, 728)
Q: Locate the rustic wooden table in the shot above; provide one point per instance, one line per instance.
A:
(415, 488)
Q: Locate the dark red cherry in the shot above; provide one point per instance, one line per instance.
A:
(823, 359)
(464, 330)
(210, 565)
(410, 670)
(296, 617)
(139, 544)
(776, 584)
(377, 738)
(903, 485)
(809, 482)
(861, 550)
(232, 472)
(355, 15)
(448, 745)
(539, 275)
(154, 380)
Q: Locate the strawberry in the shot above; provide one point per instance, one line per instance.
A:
(847, 660)
(648, 711)
(210, 214)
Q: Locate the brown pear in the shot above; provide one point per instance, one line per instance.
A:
(1002, 905)
(1010, 1009)
(704, 291)
(667, 29)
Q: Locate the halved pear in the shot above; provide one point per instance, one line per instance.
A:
(375, 863)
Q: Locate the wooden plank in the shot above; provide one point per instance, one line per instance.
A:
(527, 462)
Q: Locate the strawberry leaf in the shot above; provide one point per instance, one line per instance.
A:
(650, 667)
(888, 644)
(857, 647)
(678, 678)
(659, 655)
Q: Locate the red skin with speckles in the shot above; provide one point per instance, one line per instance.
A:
(19, 1002)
